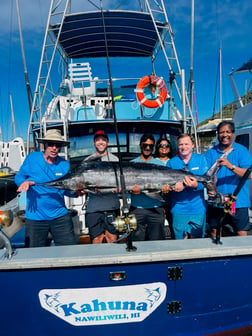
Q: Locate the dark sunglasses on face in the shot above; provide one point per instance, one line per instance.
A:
(163, 146)
(145, 146)
(53, 144)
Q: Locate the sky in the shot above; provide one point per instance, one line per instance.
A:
(224, 24)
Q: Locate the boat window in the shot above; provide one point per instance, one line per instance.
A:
(243, 139)
(83, 146)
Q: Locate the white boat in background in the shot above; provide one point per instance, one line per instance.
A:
(243, 114)
(12, 155)
(172, 287)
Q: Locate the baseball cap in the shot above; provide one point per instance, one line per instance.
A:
(102, 134)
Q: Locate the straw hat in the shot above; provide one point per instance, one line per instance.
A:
(54, 135)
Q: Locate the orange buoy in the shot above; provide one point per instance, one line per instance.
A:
(156, 82)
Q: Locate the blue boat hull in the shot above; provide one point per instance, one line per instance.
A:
(197, 295)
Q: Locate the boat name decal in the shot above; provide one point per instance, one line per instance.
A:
(103, 305)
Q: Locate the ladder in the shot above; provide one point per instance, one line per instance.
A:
(44, 88)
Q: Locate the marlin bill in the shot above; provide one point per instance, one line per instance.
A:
(101, 176)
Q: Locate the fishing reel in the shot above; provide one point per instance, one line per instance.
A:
(229, 200)
(125, 224)
(6, 218)
(225, 201)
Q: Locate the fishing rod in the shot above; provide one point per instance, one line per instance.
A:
(125, 207)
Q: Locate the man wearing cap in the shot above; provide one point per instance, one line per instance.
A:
(102, 208)
(45, 209)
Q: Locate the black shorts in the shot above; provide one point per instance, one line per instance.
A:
(99, 222)
(150, 224)
(238, 221)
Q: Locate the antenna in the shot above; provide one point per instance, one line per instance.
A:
(12, 117)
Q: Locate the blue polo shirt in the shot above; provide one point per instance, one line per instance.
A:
(142, 200)
(227, 180)
(190, 200)
(43, 203)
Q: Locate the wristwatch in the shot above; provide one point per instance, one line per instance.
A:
(233, 168)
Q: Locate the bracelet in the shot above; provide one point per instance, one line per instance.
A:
(233, 168)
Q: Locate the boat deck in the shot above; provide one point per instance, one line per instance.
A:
(116, 254)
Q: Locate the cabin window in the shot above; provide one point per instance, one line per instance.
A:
(243, 139)
(84, 146)
(129, 144)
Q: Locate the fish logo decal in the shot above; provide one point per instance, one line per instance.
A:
(104, 305)
(153, 295)
(53, 302)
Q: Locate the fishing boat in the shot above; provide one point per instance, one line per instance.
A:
(242, 117)
(12, 155)
(172, 287)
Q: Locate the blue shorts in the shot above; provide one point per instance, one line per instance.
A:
(188, 224)
(239, 221)
(99, 222)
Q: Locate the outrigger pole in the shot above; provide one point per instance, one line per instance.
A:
(28, 87)
(191, 90)
(125, 207)
(27, 83)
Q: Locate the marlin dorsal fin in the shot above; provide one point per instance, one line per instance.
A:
(93, 157)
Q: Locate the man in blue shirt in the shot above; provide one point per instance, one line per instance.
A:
(148, 211)
(229, 175)
(188, 206)
(45, 209)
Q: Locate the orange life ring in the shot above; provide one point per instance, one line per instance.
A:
(151, 103)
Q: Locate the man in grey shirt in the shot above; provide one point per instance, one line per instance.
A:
(102, 208)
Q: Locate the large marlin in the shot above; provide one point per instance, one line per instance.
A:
(101, 176)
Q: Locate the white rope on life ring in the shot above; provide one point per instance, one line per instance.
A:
(145, 81)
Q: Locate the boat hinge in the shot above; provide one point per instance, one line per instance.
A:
(175, 273)
(174, 307)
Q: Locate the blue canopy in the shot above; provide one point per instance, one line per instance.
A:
(128, 34)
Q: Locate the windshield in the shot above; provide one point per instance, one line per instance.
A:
(129, 144)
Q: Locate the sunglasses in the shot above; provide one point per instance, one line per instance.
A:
(163, 146)
(145, 146)
(53, 144)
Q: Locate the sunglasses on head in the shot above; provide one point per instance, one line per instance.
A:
(53, 144)
(163, 146)
(145, 146)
